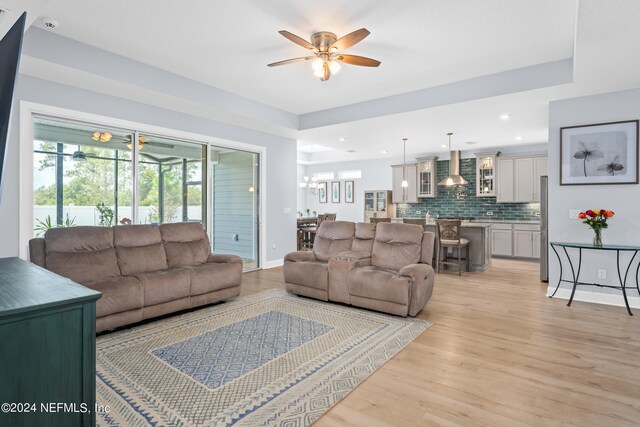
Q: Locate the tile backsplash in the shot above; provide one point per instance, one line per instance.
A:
(445, 205)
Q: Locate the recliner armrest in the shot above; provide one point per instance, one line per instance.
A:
(300, 256)
(224, 258)
(416, 271)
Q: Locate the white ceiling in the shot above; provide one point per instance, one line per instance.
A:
(421, 43)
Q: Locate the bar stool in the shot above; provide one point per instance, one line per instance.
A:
(448, 236)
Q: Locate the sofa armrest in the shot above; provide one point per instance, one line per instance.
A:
(224, 258)
(300, 256)
(422, 277)
(415, 271)
(37, 253)
(354, 255)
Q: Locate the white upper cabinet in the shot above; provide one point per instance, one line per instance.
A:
(486, 174)
(504, 184)
(404, 194)
(427, 167)
(519, 178)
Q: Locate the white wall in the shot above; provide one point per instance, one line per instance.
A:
(281, 155)
(624, 200)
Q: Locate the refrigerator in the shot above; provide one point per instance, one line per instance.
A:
(544, 228)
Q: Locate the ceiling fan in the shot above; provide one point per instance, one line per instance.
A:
(325, 50)
(143, 140)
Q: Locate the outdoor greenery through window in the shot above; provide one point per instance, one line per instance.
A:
(83, 176)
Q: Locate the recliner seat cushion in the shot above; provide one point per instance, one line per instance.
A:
(164, 286)
(185, 244)
(119, 294)
(83, 254)
(214, 276)
(312, 274)
(396, 245)
(384, 285)
(139, 249)
(332, 238)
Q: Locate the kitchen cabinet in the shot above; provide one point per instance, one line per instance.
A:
(501, 240)
(505, 181)
(526, 241)
(404, 194)
(377, 204)
(486, 174)
(427, 169)
(519, 178)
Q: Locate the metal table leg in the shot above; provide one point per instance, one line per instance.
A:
(622, 283)
(560, 278)
(575, 276)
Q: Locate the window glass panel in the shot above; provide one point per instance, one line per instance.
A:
(79, 180)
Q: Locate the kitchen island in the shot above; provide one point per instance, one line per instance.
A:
(479, 236)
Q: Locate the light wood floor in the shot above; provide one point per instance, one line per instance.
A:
(500, 353)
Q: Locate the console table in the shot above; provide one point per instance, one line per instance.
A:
(47, 348)
(576, 274)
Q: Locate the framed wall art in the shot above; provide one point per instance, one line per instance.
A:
(322, 192)
(604, 153)
(348, 191)
(335, 191)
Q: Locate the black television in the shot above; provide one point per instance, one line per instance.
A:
(10, 48)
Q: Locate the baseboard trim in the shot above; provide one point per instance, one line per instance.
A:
(597, 297)
(273, 264)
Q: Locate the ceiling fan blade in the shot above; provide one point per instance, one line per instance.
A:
(160, 144)
(357, 60)
(297, 40)
(291, 61)
(350, 39)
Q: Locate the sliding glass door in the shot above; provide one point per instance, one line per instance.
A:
(235, 204)
(88, 174)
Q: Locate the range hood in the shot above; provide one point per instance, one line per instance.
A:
(454, 178)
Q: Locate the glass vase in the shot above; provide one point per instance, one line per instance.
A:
(597, 237)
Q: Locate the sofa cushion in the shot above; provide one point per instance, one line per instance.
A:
(363, 241)
(185, 243)
(118, 294)
(396, 245)
(332, 238)
(83, 254)
(384, 285)
(139, 249)
(165, 286)
(214, 276)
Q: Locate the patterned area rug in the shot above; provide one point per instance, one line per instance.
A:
(265, 359)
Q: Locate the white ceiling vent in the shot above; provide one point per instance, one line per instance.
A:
(4, 12)
(50, 24)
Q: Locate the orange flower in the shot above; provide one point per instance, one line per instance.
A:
(608, 214)
(582, 215)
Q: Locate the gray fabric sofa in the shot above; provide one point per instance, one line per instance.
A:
(142, 271)
(384, 267)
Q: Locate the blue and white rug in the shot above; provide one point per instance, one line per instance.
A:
(265, 359)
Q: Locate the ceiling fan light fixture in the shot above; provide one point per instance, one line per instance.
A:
(317, 64)
(334, 66)
(101, 136)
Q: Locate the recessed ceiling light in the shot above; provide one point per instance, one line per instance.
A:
(505, 116)
(351, 151)
(341, 139)
(518, 138)
(470, 142)
(444, 145)
(384, 151)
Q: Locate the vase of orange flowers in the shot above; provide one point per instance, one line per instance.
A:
(597, 220)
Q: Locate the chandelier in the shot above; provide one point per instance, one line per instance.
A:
(310, 184)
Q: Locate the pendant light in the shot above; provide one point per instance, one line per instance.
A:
(405, 184)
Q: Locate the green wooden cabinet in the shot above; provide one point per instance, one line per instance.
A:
(47, 348)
